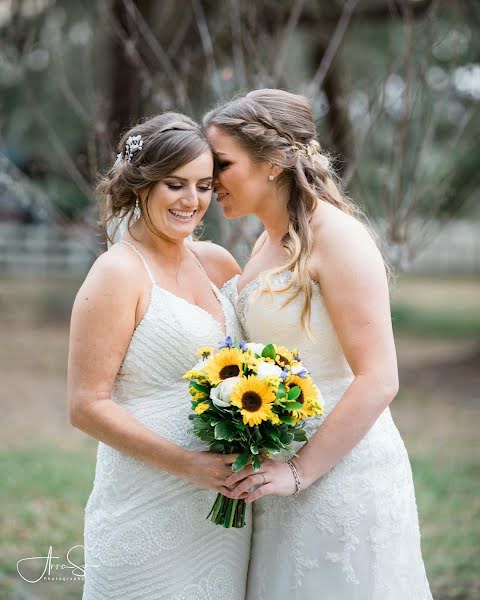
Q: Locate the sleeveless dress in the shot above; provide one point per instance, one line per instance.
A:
(353, 534)
(146, 535)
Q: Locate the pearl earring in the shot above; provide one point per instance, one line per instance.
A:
(137, 213)
(271, 178)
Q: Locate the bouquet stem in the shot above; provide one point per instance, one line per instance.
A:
(228, 512)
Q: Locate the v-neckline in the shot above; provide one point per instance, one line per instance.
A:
(249, 283)
(216, 291)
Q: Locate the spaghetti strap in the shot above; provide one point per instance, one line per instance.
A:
(200, 265)
(145, 263)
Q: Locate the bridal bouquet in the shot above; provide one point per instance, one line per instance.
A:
(249, 398)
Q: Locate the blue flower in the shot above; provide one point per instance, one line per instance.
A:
(243, 346)
(284, 374)
(226, 343)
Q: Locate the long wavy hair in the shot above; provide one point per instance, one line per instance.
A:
(170, 141)
(277, 126)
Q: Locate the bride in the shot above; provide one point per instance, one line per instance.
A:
(338, 521)
(144, 309)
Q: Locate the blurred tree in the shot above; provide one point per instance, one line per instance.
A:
(395, 86)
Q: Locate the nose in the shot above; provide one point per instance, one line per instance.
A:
(191, 196)
(217, 186)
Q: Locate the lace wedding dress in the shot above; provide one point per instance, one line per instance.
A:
(146, 533)
(353, 534)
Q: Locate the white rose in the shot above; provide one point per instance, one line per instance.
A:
(266, 369)
(221, 394)
(256, 348)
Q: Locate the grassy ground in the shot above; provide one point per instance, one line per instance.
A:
(47, 468)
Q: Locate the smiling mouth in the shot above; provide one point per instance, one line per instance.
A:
(221, 196)
(181, 215)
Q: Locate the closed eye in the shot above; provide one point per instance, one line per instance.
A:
(222, 165)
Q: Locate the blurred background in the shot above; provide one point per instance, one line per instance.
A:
(395, 86)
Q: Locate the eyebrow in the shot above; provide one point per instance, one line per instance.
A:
(184, 179)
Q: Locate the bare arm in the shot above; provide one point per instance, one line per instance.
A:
(355, 291)
(103, 321)
(354, 287)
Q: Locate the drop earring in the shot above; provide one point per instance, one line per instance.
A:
(271, 178)
(137, 213)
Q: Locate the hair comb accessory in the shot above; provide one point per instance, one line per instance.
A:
(313, 148)
(310, 149)
(134, 143)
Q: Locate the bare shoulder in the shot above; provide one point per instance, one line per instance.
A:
(219, 264)
(342, 241)
(114, 273)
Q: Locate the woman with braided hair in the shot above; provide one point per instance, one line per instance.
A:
(338, 521)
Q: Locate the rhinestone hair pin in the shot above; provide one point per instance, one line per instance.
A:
(132, 145)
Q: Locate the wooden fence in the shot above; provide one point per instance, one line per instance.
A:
(52, 250)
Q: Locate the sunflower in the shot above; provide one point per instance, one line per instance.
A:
(308, 397)
(223, 365)
(283, 356)
(254, 398)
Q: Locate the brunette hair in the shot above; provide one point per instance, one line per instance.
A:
(167, 142)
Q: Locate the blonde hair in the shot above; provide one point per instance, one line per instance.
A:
(277, 126)
(170, 141)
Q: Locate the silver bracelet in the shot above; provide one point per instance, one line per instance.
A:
(295, 476)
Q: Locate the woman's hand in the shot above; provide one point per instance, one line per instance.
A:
(274, 477)
(209, 470)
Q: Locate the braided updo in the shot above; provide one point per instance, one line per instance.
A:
(167, 142)
(277, 126)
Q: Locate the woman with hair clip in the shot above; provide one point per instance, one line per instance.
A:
(144, 309)
(337, 521)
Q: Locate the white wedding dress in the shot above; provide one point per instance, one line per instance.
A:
(353, 534)
(146, 533)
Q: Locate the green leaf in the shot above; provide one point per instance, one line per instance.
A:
(240, 425)
(286, 419)
(256, 463)
(240, 462)
(286, 437)
(224, 431)
(269, 351)
(300, 436)
(254, 449)
(294, 392)
(217, 446)
(271, 446)
(282, 391)
(293, 405)
(199, 387)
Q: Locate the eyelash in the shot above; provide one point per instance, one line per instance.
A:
(176, 187)
(221, 166)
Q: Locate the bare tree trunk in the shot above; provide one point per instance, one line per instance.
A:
(126, 91)
(338, 120)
